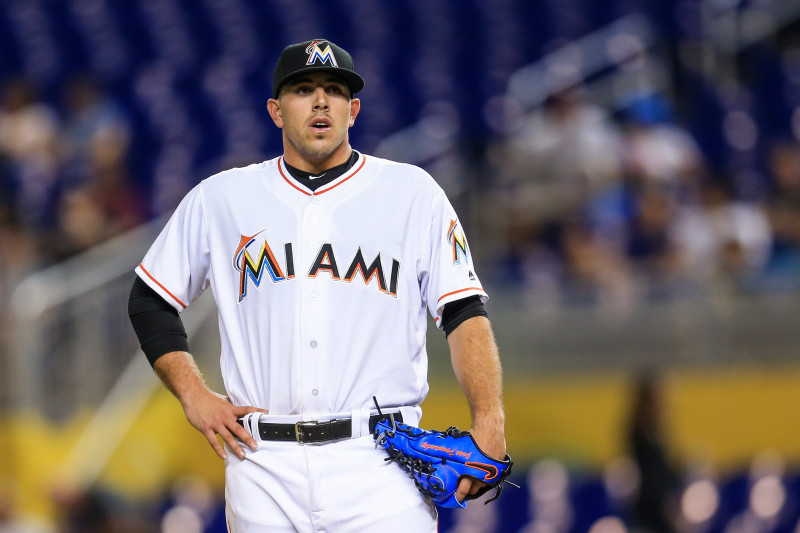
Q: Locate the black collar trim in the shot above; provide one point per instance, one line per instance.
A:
(305, 179)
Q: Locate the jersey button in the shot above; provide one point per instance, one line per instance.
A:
(314, 297)
(314, 200)
(314, 392)
(313, 344)
(313, 220)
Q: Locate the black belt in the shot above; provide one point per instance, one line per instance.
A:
(312, 432)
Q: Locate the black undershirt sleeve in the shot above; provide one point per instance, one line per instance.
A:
(454, 313)
(156, 323)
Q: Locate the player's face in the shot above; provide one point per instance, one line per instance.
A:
(315, 112)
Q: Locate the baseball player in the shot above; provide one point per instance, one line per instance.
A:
(323, 263)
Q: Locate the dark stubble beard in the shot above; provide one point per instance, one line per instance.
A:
(312, 154)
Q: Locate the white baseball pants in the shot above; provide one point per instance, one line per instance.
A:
(343, 486)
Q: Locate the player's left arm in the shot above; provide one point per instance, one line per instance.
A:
(476, 363)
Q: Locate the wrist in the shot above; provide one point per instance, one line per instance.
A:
(489, 422)
(191, 391)
(180, 374)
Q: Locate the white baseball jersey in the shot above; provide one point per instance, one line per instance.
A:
(322, 295)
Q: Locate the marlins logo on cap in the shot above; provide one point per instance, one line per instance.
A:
(324, 56)
(316, 55)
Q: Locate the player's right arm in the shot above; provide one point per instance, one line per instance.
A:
(210, 413)
(163, 339)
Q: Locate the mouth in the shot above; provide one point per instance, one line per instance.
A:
(320, 125)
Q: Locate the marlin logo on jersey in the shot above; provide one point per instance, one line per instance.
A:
(325, 55)
(458, 241)
(253, 270)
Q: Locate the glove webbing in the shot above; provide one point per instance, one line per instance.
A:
(412, 465)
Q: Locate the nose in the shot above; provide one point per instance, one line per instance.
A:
(320, 98)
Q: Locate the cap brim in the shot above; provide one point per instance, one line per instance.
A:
(353, 81)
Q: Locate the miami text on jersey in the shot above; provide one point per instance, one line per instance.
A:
(253, 270)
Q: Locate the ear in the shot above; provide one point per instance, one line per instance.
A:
(355, 107)
(274, 110)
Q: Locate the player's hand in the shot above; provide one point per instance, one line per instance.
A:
(213, 414)
(493, 443)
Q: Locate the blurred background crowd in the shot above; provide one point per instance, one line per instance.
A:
(681, 168)
(605, 155)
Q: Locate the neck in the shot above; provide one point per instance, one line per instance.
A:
(317, 166)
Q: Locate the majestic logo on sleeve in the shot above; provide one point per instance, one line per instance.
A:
(324, 56)
(458, 241)
(253, 270)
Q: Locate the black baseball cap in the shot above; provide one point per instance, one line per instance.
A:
(316, 55)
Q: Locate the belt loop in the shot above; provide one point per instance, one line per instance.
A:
(250, 423)
(366, 413)
(356, 422)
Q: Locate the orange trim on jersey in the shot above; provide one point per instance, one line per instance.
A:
(163, 288)
(290, 181)
(347, 178)
(459, 290)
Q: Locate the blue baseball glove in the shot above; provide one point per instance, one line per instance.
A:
(437, 460)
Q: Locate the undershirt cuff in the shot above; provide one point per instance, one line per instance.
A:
(157, 324)
(457, 312)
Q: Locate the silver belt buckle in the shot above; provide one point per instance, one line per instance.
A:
(298, 425)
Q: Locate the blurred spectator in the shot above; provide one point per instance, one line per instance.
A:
(66, 181)
(96, 511)
(649, 245)
(662, 165)
(722, 238)
(95, 130)
(596, 267)
(656, 150)
(655, 505)
(784, 212)
(82, 223)
(97, 199)
(17, 251)
(562, 155)
(783, 160)
(28, 150)
(558, 181)
(104, 205)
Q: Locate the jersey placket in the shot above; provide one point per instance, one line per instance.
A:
(314, 295)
